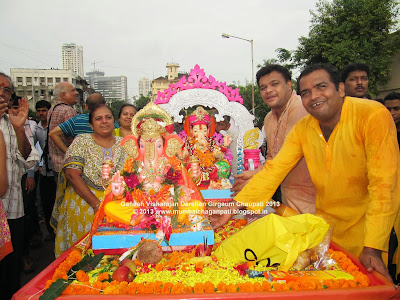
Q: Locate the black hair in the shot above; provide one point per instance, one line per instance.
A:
(42, 104)
(96, 108)
(358, 66)
(273, 67)
(125, 105)
(334, 74)
(15, 99)
(392, 96)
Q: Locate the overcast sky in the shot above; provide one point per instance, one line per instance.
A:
(138, 38)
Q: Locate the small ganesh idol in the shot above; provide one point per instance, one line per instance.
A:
(205, 158)
(153, 190)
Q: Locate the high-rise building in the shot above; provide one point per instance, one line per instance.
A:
(72, 58)
(111, 87)
(144, 86)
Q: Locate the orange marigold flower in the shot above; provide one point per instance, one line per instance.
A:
(222, 287)
(246, 287)
(352, 283)
(157, 287)
(266, 285)
(123, 288)
(232, 288)
(149, 288)
(140, 289)
(166, 289)
(257, 287)
(280, 286)
(294, 285)
(198, 288)
(114, 282)
(209, 287)
(69, 290)
(82, 276)
(132, 286)
(97, 285)
(103, 276)
(186, 268)
(159, 267)
(104, 285)
(200, 265)
(178, 288)
(187, 290)
(111, 290)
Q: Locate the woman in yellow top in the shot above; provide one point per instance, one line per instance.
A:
(80, 190)
(126, 113)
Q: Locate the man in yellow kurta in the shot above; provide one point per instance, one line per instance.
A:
(350, 146)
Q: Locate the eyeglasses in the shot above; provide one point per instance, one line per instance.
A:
(6, 90)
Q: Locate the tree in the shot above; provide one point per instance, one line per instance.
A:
(345, 31)
(141, 102)
(260, 108)
(284, 58)
(116, 106)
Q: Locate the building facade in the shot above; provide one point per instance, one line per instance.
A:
(394, 84)
(113, 88)
(144, 86)
(163, 82)
(72, 58)
(38, 84)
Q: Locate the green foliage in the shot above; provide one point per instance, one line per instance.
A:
(284, 58)
(116, 106)
(142, 101)
(88, 263)
(55, 289)
(346, 31)
(260, 108)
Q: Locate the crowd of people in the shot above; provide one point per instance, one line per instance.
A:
(332, 150)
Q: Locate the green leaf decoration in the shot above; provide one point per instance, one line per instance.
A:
(88, 263)
(55, 289)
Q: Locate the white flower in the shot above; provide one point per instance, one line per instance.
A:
(160, 235)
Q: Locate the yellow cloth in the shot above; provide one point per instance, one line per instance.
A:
(355, 173)
(76, 218)
(117, 132)
(274, 239)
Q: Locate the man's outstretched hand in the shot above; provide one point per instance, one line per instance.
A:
(241, 180)
(221, 215)
(371, 259)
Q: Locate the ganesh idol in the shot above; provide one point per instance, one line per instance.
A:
(154, 190)
(205, 158)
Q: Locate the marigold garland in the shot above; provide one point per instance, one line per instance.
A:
(177, 273)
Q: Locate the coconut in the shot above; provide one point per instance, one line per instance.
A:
(150, 252)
